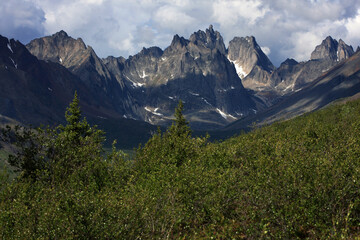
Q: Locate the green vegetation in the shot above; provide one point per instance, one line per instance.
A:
(292, 180)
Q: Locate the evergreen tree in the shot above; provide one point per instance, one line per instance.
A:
(180, 127)
(59, 151)
(76, 143)
(30, 150)
(75, 128)
(172, 147)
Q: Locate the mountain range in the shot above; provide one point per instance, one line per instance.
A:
(219, 86)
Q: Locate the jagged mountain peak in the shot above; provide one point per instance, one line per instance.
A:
(211, 28)
(251, 63)
(61, 39)
(209, 39)
(326, 50)
(178, 42)
(61, 34)
(331, 49)
(247, 51)
(196, 71)
(60, 48)
(152, 51)
(344, 51)
(14, 54)
(289, 61)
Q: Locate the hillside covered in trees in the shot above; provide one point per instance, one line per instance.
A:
(295, 179)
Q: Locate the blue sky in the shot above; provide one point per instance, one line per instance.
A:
(283, 28)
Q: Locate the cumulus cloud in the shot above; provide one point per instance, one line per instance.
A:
(290, 28)
(172, 18)
(230, 12)
(353, 28)
(21, 20)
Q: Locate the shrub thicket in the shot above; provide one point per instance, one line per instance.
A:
(296, 179)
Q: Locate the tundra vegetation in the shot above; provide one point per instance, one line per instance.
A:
(295, 179)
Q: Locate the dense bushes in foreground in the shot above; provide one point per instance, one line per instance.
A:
(296, 179)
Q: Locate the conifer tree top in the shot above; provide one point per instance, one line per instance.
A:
(181, 125)
(73, 112)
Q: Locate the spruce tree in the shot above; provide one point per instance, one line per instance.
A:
(76, 143)
(180, 126)
(75, 128)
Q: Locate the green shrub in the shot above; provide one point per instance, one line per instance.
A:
(291, 180)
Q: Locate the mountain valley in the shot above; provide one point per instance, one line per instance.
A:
(219, 86)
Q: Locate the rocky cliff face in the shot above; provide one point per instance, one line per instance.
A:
(195, 70)
(331, 49)
(209, 39)
(340, 82)
(82, 61)
(37, 92)
(252, 65)
(270, 83)
(292, 76)
(218, 85)
(148, 85)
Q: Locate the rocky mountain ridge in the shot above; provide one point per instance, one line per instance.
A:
(289, 78)
(340, 82)
(218, 85)
(333, 50)
(252, 65)
(195, 70)
(35, 91)
(270, 83)
(82, 61)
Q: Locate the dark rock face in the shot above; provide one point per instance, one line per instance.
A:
(218, 85)
(82, 61)
(332, 50)
(34, 91)
(195, 71)
(293, 77)
(209, 39)
(341, 81)
(270, 83)
(148, 85)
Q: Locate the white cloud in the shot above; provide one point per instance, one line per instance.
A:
(230, 12)
(290, 28)
(303, 44)
(21, 20)
(353, 28)
(266, 50)
(172, 18)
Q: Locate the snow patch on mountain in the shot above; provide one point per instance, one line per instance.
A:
(15, 65)
(290, 86)
(206, 101)
(194, 94)
(224, 115)
(9, 47)
(154, 111)
(143, 75)
(239, 69)
(135, 84)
